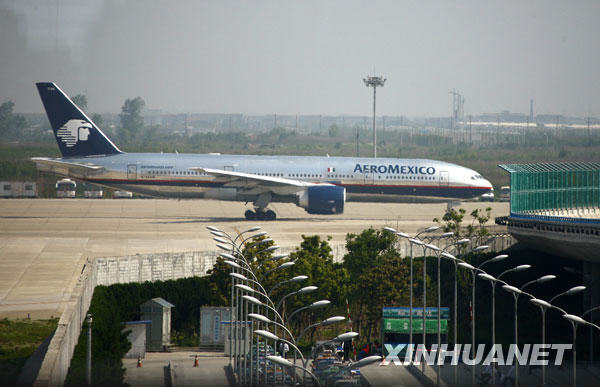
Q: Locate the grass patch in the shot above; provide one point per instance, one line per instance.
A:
(18, 340)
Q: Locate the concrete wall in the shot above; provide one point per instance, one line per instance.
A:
(58, 358)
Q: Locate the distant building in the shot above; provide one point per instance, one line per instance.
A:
(18, 189)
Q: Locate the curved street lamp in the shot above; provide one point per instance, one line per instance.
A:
(304, 290)
(314, 305)
(297, 278)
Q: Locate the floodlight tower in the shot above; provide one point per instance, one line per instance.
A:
(374, 82)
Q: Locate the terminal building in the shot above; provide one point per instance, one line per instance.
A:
(555, 208)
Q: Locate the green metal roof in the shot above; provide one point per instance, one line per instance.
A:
(550, 167)
(535, 188)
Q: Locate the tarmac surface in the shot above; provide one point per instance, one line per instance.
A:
(211, 370)
(44, 243)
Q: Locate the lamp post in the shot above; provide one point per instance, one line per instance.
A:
(543, 305)
(304, 290)
(454, 323)
(314, 305)
(297, 278)
(575, 321)
(410, 330)
(591, 332)
(88, 370)
(516, 292)
(497, 258)
(473, 269)
(455, 261)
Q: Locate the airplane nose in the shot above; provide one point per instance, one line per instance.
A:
(487, 184)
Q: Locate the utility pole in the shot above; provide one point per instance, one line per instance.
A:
(470, 130)
(89, 351)
(356, 140)
(374, 82)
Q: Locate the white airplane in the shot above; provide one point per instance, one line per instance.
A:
(320, 185)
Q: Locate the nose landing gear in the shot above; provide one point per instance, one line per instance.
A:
(260, 214)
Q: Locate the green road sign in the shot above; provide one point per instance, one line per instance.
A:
(401, 325)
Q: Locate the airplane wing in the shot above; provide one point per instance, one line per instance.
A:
(256, 184)
(66, 167)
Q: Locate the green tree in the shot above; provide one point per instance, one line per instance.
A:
(98, 120)
(367, 251)
(131, 118)
(452, 221)
(334, 131)
(10, 124)
(81, 101)
(314, 259)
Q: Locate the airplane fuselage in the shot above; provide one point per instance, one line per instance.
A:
(365, 179)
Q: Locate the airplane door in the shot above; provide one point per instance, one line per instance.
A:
(132, 172)
(369, 177)
(444, 178)
(228, 168)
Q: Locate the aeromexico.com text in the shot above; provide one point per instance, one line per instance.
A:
(529, 354)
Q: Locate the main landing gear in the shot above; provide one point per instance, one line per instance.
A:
(260, 204)
(260, 214)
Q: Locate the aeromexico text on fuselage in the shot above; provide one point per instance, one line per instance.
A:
(394, 169)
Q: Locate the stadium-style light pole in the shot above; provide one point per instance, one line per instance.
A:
(374, 82)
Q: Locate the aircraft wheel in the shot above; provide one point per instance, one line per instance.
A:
(250, 215)
(270, 215)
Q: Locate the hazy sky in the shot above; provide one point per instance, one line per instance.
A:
(305, 57)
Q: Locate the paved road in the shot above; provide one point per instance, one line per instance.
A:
(154, 373)
(44, 243)
(391, 375)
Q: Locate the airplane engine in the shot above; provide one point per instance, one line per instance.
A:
(323, 199)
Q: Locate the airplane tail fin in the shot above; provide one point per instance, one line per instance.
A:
(75, 133)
